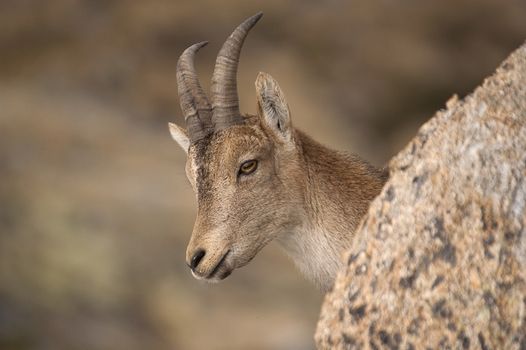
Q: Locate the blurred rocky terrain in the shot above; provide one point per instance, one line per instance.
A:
(95, 210)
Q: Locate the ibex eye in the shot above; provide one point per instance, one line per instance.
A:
(248, 167)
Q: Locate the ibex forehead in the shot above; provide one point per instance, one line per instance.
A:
(221, 152)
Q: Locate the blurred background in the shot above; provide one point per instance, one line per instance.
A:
(95, 210)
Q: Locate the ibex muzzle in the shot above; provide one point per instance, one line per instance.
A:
(257, 178)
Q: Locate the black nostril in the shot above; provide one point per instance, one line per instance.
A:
(196, 259)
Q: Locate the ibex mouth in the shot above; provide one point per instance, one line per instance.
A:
(218, 267)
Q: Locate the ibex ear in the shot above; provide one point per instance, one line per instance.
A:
(273, 109)
(179, 135)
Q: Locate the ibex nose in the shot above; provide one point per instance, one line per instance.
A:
(196, 258)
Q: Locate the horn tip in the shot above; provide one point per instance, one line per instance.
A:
(250, 21)
(256, 17)
(201, 44)
(194, 48)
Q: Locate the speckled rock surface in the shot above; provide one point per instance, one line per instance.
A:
(439, 261)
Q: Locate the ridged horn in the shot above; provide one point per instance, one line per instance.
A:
(194, 103)
(225, 101)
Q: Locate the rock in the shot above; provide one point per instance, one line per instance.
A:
(439, 261)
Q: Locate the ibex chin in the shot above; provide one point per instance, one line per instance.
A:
(257, 178)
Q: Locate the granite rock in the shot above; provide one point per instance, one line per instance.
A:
(439, 261)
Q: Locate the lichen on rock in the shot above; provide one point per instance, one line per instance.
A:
(439, 261)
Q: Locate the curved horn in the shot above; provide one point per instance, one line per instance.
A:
(225, 101)
(194, 103)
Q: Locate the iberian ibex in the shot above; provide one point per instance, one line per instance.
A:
(257, 178)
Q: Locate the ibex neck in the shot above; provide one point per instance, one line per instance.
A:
(338, 190)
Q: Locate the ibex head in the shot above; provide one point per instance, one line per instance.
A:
(243, 169)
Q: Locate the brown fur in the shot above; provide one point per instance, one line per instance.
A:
(306, 196)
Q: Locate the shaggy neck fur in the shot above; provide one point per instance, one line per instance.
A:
(338, 190)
